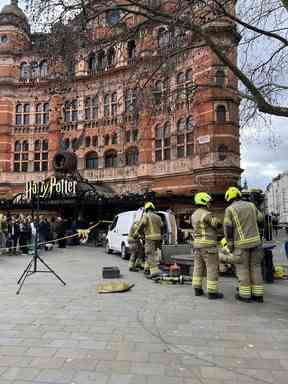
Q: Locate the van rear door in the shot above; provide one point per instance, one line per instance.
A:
(124, 224)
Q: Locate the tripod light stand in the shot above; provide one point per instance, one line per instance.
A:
(32, 267)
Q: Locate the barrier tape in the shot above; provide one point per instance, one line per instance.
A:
(83, 234)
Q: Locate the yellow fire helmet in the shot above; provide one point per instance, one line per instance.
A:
(202, 198)
(149, 205)
(223, 243)
(232, 193)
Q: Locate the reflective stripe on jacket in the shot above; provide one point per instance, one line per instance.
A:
(205, 227)
(241, 224)
(151, 224)
(133, 236)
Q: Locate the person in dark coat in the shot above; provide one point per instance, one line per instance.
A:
(61, 231)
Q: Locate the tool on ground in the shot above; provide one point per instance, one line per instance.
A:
(114, 287)
(110, 273)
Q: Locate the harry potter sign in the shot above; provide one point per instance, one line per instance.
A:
(47, 188)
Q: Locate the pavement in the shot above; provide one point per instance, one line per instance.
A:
(153, 334)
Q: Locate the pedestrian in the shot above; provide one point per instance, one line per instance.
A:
(3, 232)
(242, 234)
(206, 229)
(60, 232)
(151, 225)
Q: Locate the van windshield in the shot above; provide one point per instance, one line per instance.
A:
(125, 223)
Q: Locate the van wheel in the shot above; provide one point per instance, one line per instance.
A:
(107, 249)
(124, 253)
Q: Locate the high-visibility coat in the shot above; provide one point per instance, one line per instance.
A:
(241, 224)
(132, 235)
(205, 228)
(151, 224)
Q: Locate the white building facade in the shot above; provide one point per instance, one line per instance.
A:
(276, 196)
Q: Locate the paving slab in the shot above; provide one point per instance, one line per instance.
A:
(154, 334)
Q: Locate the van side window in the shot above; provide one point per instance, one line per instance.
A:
(114, 222)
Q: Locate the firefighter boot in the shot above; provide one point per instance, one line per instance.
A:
(215, 295)
(258, 299)
(243, 299)
(198, 291)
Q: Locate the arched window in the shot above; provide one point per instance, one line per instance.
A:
(92, 63)
(17, 146)
(131, 51)
(34, 70)
(185, 137)
(111, 57)
(222, 152)
(87, 141)
(114, 104)
(25, 146)
(162, 142)
(221, 114)
(106, 105)
(43, 70)
(220, 78)
(19, 114)
(37, 146)
(110, 159)
(24, 71)
(132, 155)
(91, 160)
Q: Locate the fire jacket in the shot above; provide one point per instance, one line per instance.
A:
(151, 224)
(205, 228)
(241, 224)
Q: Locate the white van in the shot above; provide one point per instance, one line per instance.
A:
(117, 236)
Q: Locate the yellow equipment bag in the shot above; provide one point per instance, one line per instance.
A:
(113, 287)
(279, 272)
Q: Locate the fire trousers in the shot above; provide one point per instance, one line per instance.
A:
(151, 247)
(248, 267)
(136, 254)
(206, 259)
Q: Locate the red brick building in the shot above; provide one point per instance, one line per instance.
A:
(186, 145)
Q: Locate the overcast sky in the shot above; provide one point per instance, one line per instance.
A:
(264, 153)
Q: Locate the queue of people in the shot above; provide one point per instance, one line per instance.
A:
(18, 232)
(239, 233)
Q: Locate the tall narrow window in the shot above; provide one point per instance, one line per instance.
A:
(40, 163)
(24, 71)
(19, 114)
(220, 78)
(87, 141)
(17, 156)
(222, 152)
(162, 142)
(111, 57)
(101, 61)
(185, 137)
(34, 71)
(130, 101)
(181, 86)
(110, 159)
(42, 114)
(67, 112)
(114, 104)
(106, 105)
(95, 107)
(132, 155)
(221, 114)
(88, 108)
(158, 92)
(43, 70)
(26, 114)
(114, 139)
(131, 51)
(24, 156)
(74, 109)
(91, 160)
(92, 63)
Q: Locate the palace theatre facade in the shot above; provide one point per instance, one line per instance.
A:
(176, 136)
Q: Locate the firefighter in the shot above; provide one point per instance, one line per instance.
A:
(206, 229)
(242, 233)
(136, 249)
(151, 224)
